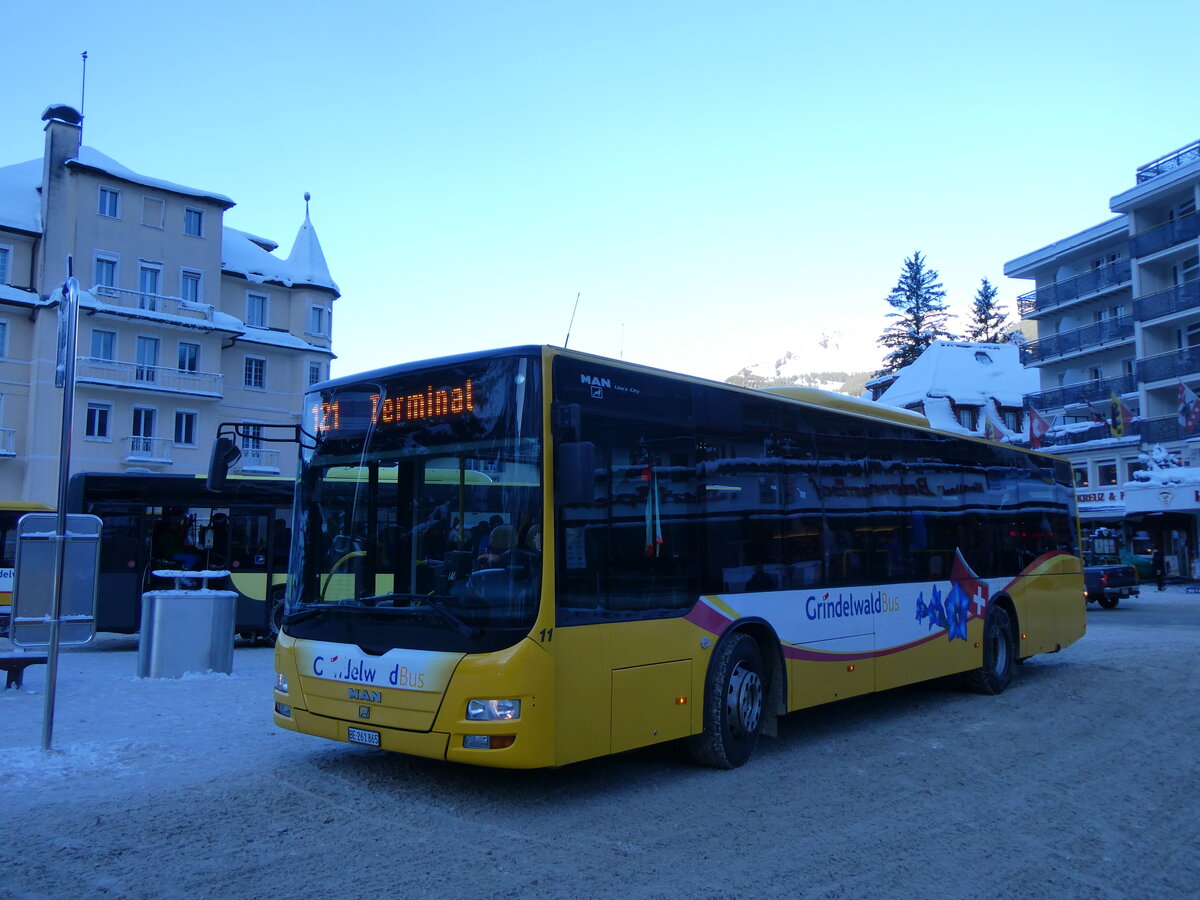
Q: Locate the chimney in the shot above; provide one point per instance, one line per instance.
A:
(64, 129)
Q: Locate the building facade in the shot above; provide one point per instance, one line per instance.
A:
(184, 322)
(1117, 311)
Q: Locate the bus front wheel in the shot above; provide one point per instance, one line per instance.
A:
(734, 696)
(999, 653)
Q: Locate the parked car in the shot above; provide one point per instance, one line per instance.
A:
(1108, 585)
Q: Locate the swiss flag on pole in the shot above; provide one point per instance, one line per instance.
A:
(1037, 428)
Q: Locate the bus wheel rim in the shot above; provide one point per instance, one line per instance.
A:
(745, 699)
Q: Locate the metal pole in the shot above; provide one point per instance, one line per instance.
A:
(70, 315)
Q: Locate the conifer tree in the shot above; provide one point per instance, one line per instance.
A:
(920, 317)
(988, 318)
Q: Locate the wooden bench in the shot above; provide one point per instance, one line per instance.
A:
(15, 664)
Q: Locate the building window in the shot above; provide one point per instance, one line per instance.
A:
(189, 285)
(5, 257)
(255, 375)
(1081, 477)
(147, 358)
(1106, 474)
(104, 344)
(96, 423)
(314, 373)
(152, 212)
(316, 320)
(1132, 467)
(967, 417)
(106, 271)
(256, 310)
(193, 222)
(185, 428)
(149, 279)
(1012, 419)
(3, 339)
(142, 443)
(109, 203)
(189, 356)
(1187, 270)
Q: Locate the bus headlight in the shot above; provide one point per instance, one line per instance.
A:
(281, 682)
(493, 710)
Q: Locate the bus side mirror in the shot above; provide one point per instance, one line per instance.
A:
(576, 474)
(225, 454)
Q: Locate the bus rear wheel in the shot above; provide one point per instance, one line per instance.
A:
(734, 695)
(999, 653)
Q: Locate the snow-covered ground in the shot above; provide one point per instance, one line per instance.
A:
(1080, 780)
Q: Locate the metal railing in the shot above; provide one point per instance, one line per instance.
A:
(1077, 340)
(94, 370)
(1097, 391)
(1162, 303)
(1185, 228)
(1176, 364)
(1166, 428)
(158, 303)
(1173, 160)
(147, 449)
(258, 459)
(1104, 278)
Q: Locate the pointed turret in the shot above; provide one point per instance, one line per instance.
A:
(306, 263)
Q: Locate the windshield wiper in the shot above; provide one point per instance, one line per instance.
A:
(464, 628)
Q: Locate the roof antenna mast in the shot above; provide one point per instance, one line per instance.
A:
(83, 85)
(571, 324)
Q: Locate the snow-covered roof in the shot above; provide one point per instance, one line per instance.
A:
(961, 373)
(242, 254)
(20, 203)
(90, 158)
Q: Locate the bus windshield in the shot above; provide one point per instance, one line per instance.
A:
(419, 511)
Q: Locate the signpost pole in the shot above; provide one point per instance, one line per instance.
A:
(68, 321)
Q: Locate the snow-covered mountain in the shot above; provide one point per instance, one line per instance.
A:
(832, 363)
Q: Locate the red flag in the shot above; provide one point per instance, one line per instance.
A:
(1037, 428)
(1189, 408)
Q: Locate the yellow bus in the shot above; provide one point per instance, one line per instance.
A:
(10, 513)
(530, 557)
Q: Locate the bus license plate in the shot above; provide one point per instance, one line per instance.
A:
(362, 736)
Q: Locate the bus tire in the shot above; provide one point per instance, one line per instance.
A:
(734, 701)
(275, 617)
(999, 653)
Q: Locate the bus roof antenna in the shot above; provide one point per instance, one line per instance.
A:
(571, 324)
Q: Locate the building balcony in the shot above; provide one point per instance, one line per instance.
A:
(1168, 234)
(8, 442)
(1174, 365)
(258, 461)
(1167, 428)
(1097, 391)
(1174, 160)
(1180, 298)
(161, 304)
(1097, 281)
(147, 450)
(93, 370)
(1078, 340)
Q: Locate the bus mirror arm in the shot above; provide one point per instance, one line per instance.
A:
(225, 451)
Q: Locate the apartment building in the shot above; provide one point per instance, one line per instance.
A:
(1117, 312)
(184, 322)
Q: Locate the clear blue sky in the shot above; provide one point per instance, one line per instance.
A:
(720, 181)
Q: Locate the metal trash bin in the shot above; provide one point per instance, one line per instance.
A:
(187, 630)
